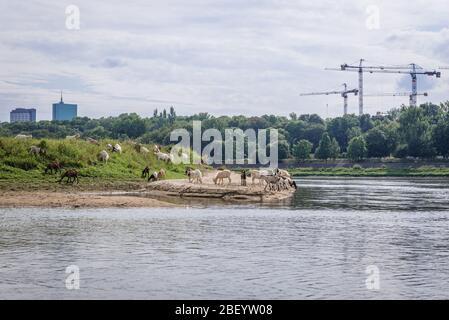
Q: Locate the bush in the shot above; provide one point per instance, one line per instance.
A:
(22, 163)
(357, 167)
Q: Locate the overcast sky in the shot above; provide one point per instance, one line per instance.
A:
(222, 57)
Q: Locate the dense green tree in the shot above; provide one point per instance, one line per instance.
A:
(324, 150)
(335, 149)
(420, 131)
(415, 131)
(440, 136)
(377, 143)
(283, 149)
(302, 149)
(339, 128)
(357, 149)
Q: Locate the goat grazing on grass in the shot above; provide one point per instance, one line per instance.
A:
(144, 150)
(194, 175)
(117, 148)
(76, 136)
(145, 172)
(53, 167)
(221, 175)
(163, 157)
(103, 156)
(71, 175)
(93, 141)
(24, 136)
(36, 151)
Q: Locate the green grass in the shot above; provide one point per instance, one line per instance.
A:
(19, 168)
(357, 171)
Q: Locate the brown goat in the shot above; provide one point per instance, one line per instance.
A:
(71, 175)
(53, 167)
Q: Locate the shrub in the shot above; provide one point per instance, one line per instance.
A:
(22, 163)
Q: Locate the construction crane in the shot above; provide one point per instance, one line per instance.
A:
(412, 69)
(401, 94)
(343, 93)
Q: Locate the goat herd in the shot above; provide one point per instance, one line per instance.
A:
(273, 179)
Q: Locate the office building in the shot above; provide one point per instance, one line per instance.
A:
(23, 115)
(64, 111)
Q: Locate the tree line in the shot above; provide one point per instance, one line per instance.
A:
(421, 131)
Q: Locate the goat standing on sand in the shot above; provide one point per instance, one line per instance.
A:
(161, 174)
(153, 177)
(282, 173)
(243, 178)
(194, 175)
(221, 175)
(272, 182)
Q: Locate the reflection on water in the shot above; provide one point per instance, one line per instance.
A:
(317, 248)
(418, 194)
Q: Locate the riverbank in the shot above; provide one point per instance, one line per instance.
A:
(359, 171)
(29, 199)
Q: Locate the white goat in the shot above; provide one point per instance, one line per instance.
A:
(221, 175)
(104, 156)
(194, 175)
(76, 136)
(282, 173)
(163, 157)
(144, 150)
(93, 141)
(258, 174)
(24, 136)
(36, 150)
(117, 148)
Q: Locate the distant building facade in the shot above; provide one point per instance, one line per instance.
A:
(23, 115)
(64, 111)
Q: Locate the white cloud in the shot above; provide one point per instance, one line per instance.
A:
(223, 57)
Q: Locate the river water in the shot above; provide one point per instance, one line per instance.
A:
(320, 246)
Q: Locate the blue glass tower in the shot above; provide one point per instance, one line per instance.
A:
(64, 111)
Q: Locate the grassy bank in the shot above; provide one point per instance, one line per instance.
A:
(357, 171)
(21, 170)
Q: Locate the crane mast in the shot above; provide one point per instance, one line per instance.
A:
(343, 93)
(411, 69)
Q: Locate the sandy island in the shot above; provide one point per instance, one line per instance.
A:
(232, 192)
(145, 197)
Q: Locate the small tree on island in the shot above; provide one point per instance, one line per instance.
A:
(357, 149)
(302, 149)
